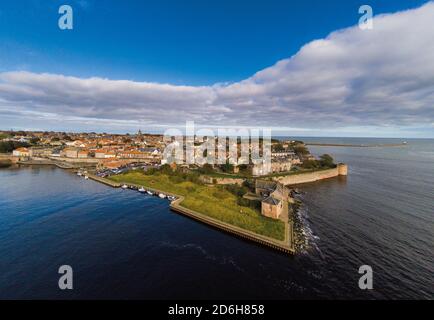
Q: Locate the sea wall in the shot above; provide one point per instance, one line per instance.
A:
(76, 160)
(340, 170)
(8, 157)
(218, 180)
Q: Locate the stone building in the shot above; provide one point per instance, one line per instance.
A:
(281, 164)
(274, 197)
(21, 152)
(69, 153)
(40, 152)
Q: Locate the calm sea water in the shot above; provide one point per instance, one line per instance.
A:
(122, 244)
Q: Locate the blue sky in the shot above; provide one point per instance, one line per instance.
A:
(182, 43)
(192, 42)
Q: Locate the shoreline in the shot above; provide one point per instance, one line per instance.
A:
(286, 245)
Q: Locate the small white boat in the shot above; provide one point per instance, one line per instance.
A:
(79, 174)
(162, 195)
(150, 193)
(124, 186)
(86, 177)
(141, 189)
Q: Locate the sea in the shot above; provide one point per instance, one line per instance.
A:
(122, 244)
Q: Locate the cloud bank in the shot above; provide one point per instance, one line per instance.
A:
(353, 78)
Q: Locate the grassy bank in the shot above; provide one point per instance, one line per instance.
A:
(213, 201)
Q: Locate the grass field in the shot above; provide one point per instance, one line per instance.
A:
(213, 201)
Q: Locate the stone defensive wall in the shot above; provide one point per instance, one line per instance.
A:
(340, 170)
(219, 180)
(8, 157)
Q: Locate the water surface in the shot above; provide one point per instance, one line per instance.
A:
(122, 244)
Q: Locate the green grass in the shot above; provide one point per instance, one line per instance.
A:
(213, 201)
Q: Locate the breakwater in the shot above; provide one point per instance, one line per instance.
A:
(355, 145)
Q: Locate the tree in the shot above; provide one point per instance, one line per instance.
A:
(249, 184)
(206, 169)
(227, 168)
(34, 140)
(310, 164)
(278, 147)
(301, 150)
(326, 161)
(9, 146)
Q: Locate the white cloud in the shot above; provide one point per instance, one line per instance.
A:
(353, 78)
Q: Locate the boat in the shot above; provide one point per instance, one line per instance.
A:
(141, 189)
(150, 193)
(86, 177)
(124, 186)
(162, 195)
(171, 198)
(79, 174)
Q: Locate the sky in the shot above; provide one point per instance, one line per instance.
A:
(298, 67)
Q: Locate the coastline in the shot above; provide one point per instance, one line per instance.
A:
(286, 246)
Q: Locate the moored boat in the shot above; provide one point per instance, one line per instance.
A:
(86, 177)
(162, 195)
(150, 193)
(141, 189)
(124, 186)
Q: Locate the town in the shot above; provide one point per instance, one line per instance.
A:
(114, 151)
(258, 204)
